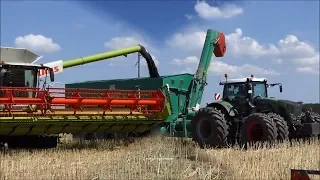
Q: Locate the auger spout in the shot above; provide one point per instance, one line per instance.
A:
(153, 71)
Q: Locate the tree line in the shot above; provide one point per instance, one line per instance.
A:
(315, 107)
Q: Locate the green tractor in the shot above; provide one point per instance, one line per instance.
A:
(246, 114)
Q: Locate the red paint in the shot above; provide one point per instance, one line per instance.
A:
(43, 72)
(221, 47)
(217, 96)
(249, 131)
(296, 176)
(105, 100)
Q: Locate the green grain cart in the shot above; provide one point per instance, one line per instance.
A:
(185, 90)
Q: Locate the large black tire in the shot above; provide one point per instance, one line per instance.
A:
(232, 138)
(282, 126)
(209, 128)
(258, 127)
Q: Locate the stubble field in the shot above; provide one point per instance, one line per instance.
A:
(158, 158)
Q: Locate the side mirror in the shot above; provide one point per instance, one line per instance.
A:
(280, 87)
(51, 74)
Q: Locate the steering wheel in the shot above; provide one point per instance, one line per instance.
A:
(259, 96)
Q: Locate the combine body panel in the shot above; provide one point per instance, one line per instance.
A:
(18, 55)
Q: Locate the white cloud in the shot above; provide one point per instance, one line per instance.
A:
(208, 12)
(37, 43)
(245, 70)
(188, 41)
(287, 50)
(220, 68)
(237, 44)
(123, 42)
(187, 60)
(309, 70)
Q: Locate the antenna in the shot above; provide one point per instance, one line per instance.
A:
(138, 64)
(226, 76)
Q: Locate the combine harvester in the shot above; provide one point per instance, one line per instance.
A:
(170, 104)
(31, 116)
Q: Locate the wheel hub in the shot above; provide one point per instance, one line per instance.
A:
(254, 132)
(204, 129)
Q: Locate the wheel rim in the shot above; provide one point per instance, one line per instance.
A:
(254, 132)
(204, 129)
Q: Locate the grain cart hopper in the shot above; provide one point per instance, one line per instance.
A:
(31, 115)
(185, 90)
(246, 114)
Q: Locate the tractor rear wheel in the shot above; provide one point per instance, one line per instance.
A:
(209, 128)
(282, 126)
(258, 127)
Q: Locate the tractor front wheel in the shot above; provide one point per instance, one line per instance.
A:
(209, 128)
(258, 127)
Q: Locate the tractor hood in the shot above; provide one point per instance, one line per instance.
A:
(294, 108)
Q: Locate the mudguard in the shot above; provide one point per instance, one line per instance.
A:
(224, 105)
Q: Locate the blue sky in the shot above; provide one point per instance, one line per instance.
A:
(276, 40)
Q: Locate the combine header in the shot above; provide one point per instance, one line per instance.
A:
(74, 102)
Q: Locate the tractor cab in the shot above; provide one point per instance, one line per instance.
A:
(246, 88)
(243, 92)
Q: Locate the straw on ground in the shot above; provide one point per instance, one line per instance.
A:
(157, 158)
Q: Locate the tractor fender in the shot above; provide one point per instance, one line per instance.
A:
(224, 105)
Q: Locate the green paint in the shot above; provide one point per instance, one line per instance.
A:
(185, 92)
(101, 56)
(224, 105)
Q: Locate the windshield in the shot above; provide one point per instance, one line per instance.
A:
(16, 77)
(11, 76)
(234, 91)
(259, 89)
